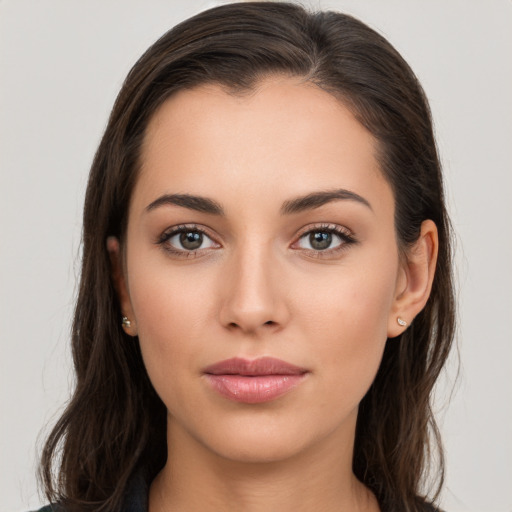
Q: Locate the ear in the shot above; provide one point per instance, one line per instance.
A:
(415, 278)
(119, 280)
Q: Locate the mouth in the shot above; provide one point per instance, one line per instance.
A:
(257, 381)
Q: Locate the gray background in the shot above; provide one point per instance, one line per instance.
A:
(61, 65)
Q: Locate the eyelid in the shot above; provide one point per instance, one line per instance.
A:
(172, 231)
(346, 236)
(326, 226)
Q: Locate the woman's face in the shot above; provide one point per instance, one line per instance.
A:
(261, 227)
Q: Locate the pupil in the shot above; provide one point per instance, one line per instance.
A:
(320, 240)
(191, 240)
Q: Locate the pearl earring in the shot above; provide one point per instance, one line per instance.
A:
(126, 323)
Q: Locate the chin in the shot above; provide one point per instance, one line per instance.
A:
(264, 441)
(260, 451)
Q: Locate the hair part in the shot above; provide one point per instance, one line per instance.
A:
(115, 424)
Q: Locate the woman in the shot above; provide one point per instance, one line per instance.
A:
(266, 298)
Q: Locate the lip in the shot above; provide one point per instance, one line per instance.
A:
(253, 381)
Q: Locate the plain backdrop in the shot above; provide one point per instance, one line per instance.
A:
(61, 65)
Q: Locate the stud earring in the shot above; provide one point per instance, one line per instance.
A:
(401, 322)
(126, 323)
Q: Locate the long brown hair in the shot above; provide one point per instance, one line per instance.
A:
(114, 425)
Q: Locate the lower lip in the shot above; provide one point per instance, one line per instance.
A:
(253, 389)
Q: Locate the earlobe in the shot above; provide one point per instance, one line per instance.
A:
(118, 278)
(415, 282)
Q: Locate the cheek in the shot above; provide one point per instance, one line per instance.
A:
(355, 299)
(171, 311)
(348, 318)
(166, 296)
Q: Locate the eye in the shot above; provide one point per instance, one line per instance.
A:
(327, 239)
(190, 240)
(321, 240)
(186, 240)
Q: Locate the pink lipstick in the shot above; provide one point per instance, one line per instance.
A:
(252, 382)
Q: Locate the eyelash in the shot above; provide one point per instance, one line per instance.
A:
(184, 228)
(346, 239)
(345, 235)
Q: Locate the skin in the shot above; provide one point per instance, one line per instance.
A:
(258, 287)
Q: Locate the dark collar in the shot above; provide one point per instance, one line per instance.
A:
(137, 491)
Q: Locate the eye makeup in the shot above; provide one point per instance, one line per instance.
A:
(324, 240)
(192, 239)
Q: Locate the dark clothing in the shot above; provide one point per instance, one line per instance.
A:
(137, 496)
(136, 499)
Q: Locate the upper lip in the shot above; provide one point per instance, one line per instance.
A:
(261, 366)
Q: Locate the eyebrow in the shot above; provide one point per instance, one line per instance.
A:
(291, 206)
(197, 203)
(317, 199)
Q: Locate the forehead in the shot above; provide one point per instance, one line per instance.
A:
(284, 135)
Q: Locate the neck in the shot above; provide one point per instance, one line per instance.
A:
(196, 479)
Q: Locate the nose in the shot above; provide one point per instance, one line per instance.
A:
(253, 298)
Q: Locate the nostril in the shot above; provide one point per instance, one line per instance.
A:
(235, 325)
